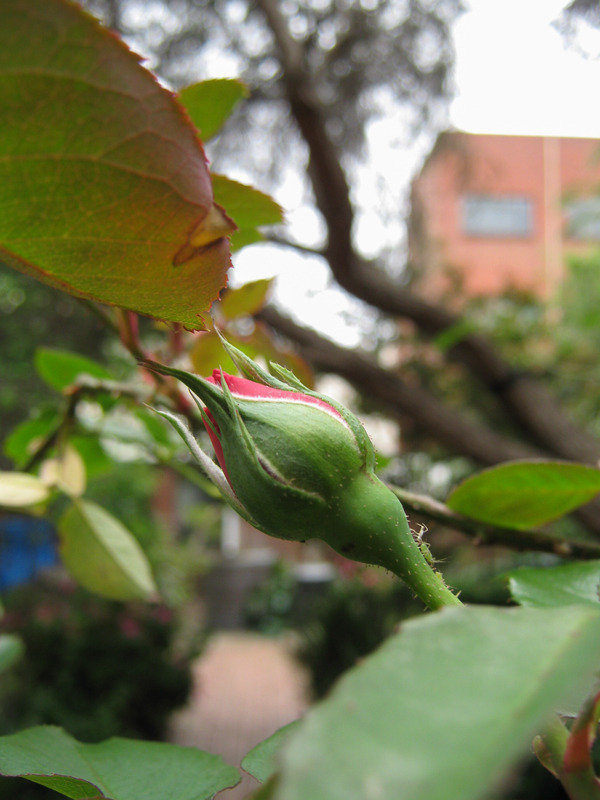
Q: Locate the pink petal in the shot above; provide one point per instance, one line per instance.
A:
(250, 390)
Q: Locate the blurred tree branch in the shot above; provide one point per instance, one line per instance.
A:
(435, 418)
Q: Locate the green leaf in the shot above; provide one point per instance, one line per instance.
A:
(208, 354)
(442, 710)
(246, 237)
(11, 650)
(104, 189)
(19, 444)
(261, 761)
(525, 494)
(210, 103)
(119, 769)
(248, 299)
(249, 208)
(563, 585)
(102, 555)
(60, 368)
(454, 334)
(22, 490)
(158, 431)
(97, 461)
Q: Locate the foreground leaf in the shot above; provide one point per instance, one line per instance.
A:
(102, 555)
(261, 761)
(119, 769)
(442, 710)
(104, 189)
(556, 586)
(525, 494)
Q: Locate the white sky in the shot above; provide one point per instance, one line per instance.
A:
(514, 75)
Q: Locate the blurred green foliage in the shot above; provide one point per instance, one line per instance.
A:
(95, 667)
(31, 315)
(269, 607)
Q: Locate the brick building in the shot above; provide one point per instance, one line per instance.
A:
(492, 212)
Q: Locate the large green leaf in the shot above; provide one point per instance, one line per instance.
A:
(102, 555)
(119, 769)
(525, 494)
(209, 103)
(261, 761)
(563, 585)
(443, 708)
(104, 189)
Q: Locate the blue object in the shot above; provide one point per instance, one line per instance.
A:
(27, 545)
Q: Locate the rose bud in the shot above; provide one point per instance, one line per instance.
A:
(299, 466)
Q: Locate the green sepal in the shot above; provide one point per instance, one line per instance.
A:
(210, 469)
(288, 377)
(208, 392)
(250, 369)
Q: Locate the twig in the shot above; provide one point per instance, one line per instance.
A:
(49, 441)
(274, 238)
(399, 397)
(484, 533)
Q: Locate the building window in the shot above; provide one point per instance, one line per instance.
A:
(483, 215)
(583, 219)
